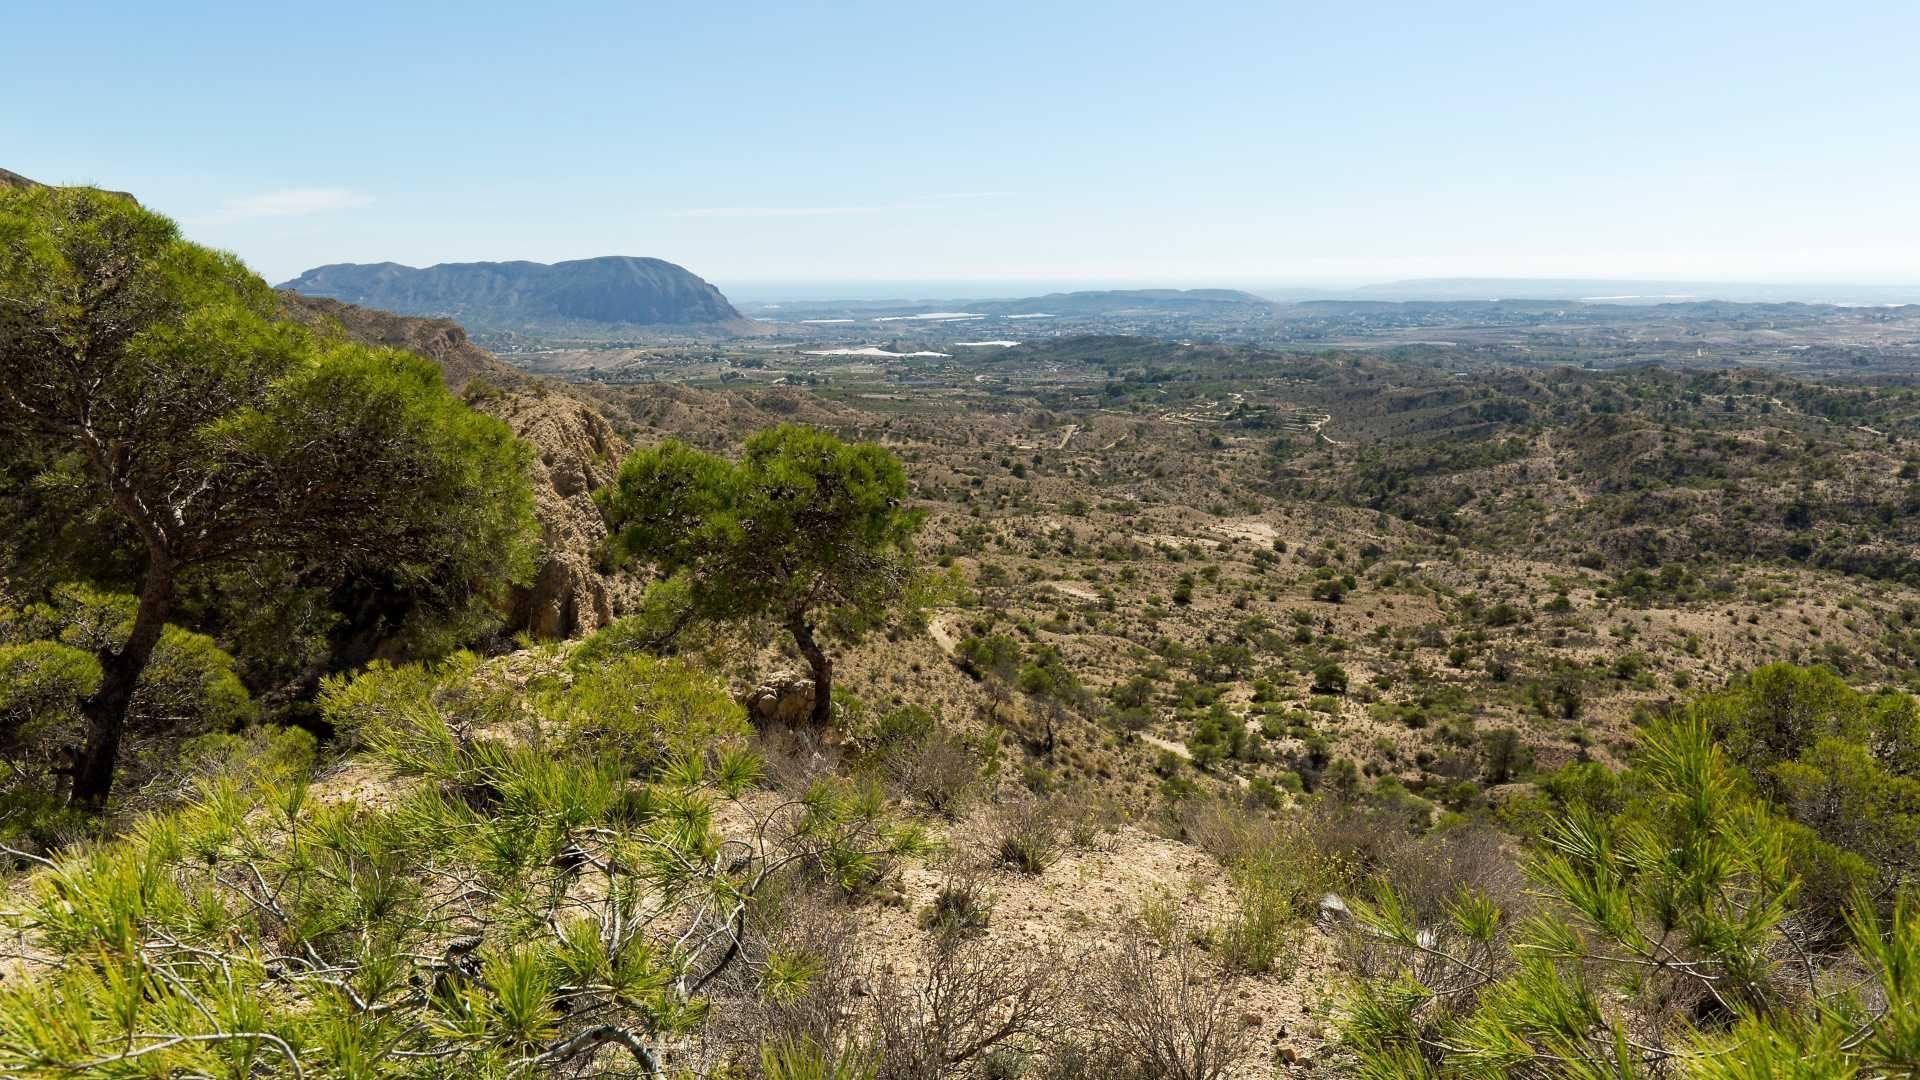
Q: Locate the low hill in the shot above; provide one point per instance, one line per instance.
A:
(1124, 301)
(1094, 303)
(613, 291)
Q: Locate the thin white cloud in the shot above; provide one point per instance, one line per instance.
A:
(829, 211)
(294, 202)
(776, 211)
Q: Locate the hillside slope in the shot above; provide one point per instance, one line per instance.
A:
(575, 451)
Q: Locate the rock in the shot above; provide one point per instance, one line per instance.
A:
(783, 697)
(576, 453)
(1333, 912)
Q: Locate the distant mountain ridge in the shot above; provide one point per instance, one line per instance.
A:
(1627, 291)
(1088, 302)
(613, 290)
(1117, 301)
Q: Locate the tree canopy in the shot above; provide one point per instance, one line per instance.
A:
(153, 373)
(805, 523)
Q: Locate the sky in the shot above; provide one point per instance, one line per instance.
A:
(766, 144)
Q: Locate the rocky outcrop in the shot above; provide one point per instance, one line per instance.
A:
(782, 698)
(575, 452)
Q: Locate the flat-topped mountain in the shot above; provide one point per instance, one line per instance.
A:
(614, 290)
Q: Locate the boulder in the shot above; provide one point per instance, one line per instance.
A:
(783, 697)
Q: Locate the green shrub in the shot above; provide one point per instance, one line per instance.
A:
(1332, 590)
(1027, 836)
(1262, 934)
(1329, 678)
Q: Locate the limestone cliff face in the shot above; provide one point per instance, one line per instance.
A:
(575, 452)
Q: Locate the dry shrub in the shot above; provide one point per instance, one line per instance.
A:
(1277, 882)
(1429, 877)
(972, 1001)
(813, 927)
(796, 758)
(1084, 815)
(1230, 834)
(1354, 842)
(1431, 872)
(962, 906)
(1155, 1013)
(940, 771)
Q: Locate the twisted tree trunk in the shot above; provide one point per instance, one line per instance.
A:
(106, 708)
(802, 632)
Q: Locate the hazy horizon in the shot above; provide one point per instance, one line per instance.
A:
(751, 291)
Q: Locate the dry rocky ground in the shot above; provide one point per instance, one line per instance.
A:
(1122, 547)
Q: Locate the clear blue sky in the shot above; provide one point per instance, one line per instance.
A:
(1097, 142)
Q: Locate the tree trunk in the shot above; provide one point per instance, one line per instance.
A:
(822, 671)
(106, 708)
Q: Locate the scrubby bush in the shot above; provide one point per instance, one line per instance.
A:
(1329, 678)
(1682, 877)
(961, 906)
(1154, 1010)
(461, 918)
(923, 760)
(1026, 836)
